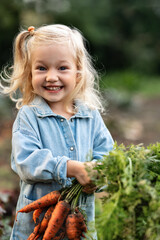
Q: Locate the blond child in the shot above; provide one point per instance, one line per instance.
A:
(58, 123)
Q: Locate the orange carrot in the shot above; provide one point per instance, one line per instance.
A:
(81, 221)
(45, 220)
(40, 227)
(71, 227)
(45, 201)
(35, 231)
(75, 226)
(58, 217)
(60, 234)
(37, 236)
(36, 214)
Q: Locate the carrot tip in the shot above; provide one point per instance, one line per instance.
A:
(16, 216)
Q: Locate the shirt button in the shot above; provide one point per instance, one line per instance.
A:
(71, 119)
(62, 120)
(71, 148)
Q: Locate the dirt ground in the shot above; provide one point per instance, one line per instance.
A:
(136, 122)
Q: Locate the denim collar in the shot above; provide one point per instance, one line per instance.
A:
(42, 109)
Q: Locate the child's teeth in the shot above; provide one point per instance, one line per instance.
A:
(53, 88)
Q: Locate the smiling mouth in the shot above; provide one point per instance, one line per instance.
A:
(53, 88)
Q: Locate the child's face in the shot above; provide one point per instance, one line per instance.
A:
(54, 73)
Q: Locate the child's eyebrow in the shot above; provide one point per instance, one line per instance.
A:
(38, 62)
(59, 62)
(64, 62)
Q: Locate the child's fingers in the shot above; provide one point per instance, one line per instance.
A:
(90, 168)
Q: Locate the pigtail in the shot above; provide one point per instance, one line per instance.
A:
(21, 70)
(19, 46)
(20, 78)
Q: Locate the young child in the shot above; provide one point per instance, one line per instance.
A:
(58, 123)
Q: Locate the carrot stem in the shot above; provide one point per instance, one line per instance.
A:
(73, 192)
(75, 200)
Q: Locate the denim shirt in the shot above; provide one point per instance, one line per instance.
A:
(42, 143)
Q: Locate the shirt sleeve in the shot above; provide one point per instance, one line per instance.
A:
(32, 162)
(103, 141)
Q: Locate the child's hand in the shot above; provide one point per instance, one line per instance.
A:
(78, 170)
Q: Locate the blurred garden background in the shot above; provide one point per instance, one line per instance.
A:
(123, 36)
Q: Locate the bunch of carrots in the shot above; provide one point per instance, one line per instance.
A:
(62, 216)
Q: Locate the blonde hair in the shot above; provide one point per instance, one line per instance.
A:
(20, 78)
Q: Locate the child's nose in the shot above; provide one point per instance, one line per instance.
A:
(52, 75)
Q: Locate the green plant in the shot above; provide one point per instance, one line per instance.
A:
(130, 209)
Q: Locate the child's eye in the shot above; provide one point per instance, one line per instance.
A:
(41, 68)
(63, 68)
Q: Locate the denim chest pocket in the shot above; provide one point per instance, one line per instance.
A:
(23, 201)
